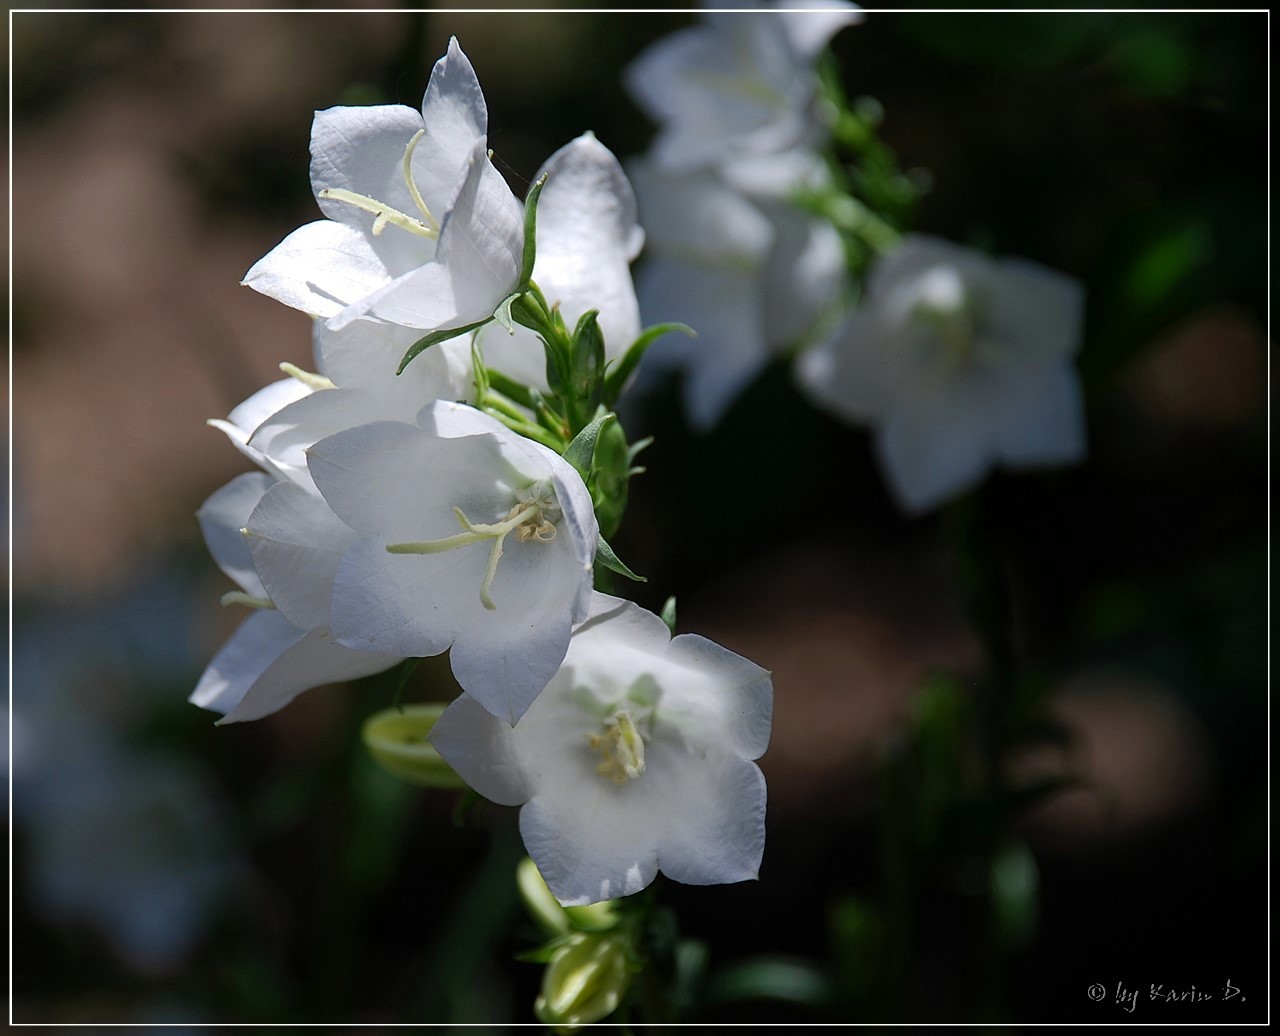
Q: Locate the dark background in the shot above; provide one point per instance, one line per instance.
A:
(164, 870)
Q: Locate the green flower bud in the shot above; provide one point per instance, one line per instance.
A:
(585, 981)
(555, 919)
(397, 740)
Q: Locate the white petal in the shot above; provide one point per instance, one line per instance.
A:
(482, 240)
(722, 693)
(810, 28)
(482, 751)
(518, 353)
(296, 543)
(854, 373)
(803, 276)
(320, 268)
(1044, 423)
(393, 479)
(455, 115)
(722, 306)
(366, 354)
(268, 662)
(717, 834)
(402, 604)
(587, 236)
(250, 415)
(595, 844)
(1037, 310)
(932, 452)
(361, 149)
(222, 517)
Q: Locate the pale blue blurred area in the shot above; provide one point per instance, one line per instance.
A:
(119, 830)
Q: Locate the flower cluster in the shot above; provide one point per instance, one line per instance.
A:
(442, 482)
(760, 237)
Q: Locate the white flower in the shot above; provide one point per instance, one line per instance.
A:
(422, 229)
(283, 648)
(959, 362)
(469, 537)
(636, 758)
(738, 86)
(751, 278)
(587, 236)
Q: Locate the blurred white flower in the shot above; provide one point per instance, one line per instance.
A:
(587, 236)
(738, 86)
(636, 758)
(752, 278)
(422, 230)
(960, 362)
(468, 537)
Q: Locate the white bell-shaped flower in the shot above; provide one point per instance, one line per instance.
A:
(637, 757)
(587, 236)
(470, 537)
(737, 87)
(752, 278)
(959, 362)
(422, 230)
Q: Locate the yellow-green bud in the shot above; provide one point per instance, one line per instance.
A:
(585, 981)
(397, 740)
(554, 918)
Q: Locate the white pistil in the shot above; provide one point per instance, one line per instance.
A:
(309, 378)
(240, 597)
(528, 519)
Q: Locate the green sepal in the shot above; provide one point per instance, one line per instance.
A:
(503, 313)
(545, 953)
(435, 338)
(531, 231)
(586, 368)
(606, 557)
(582, 450)
(617, 377)
(668, 614)
(610, 472)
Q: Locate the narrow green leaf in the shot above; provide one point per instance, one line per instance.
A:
(617, 377)
(531, 230)
(435, 338)
(606, 557)
(582, 450)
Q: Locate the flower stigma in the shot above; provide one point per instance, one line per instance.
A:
(533, 517)
(621, 749)
(383, 214)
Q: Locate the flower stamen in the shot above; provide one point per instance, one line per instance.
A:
(532, 518)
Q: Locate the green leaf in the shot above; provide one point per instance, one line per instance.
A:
(531, 230)
(669, 614)
(582, 450)
(606, 557)
(435, 338)
(617, 377)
